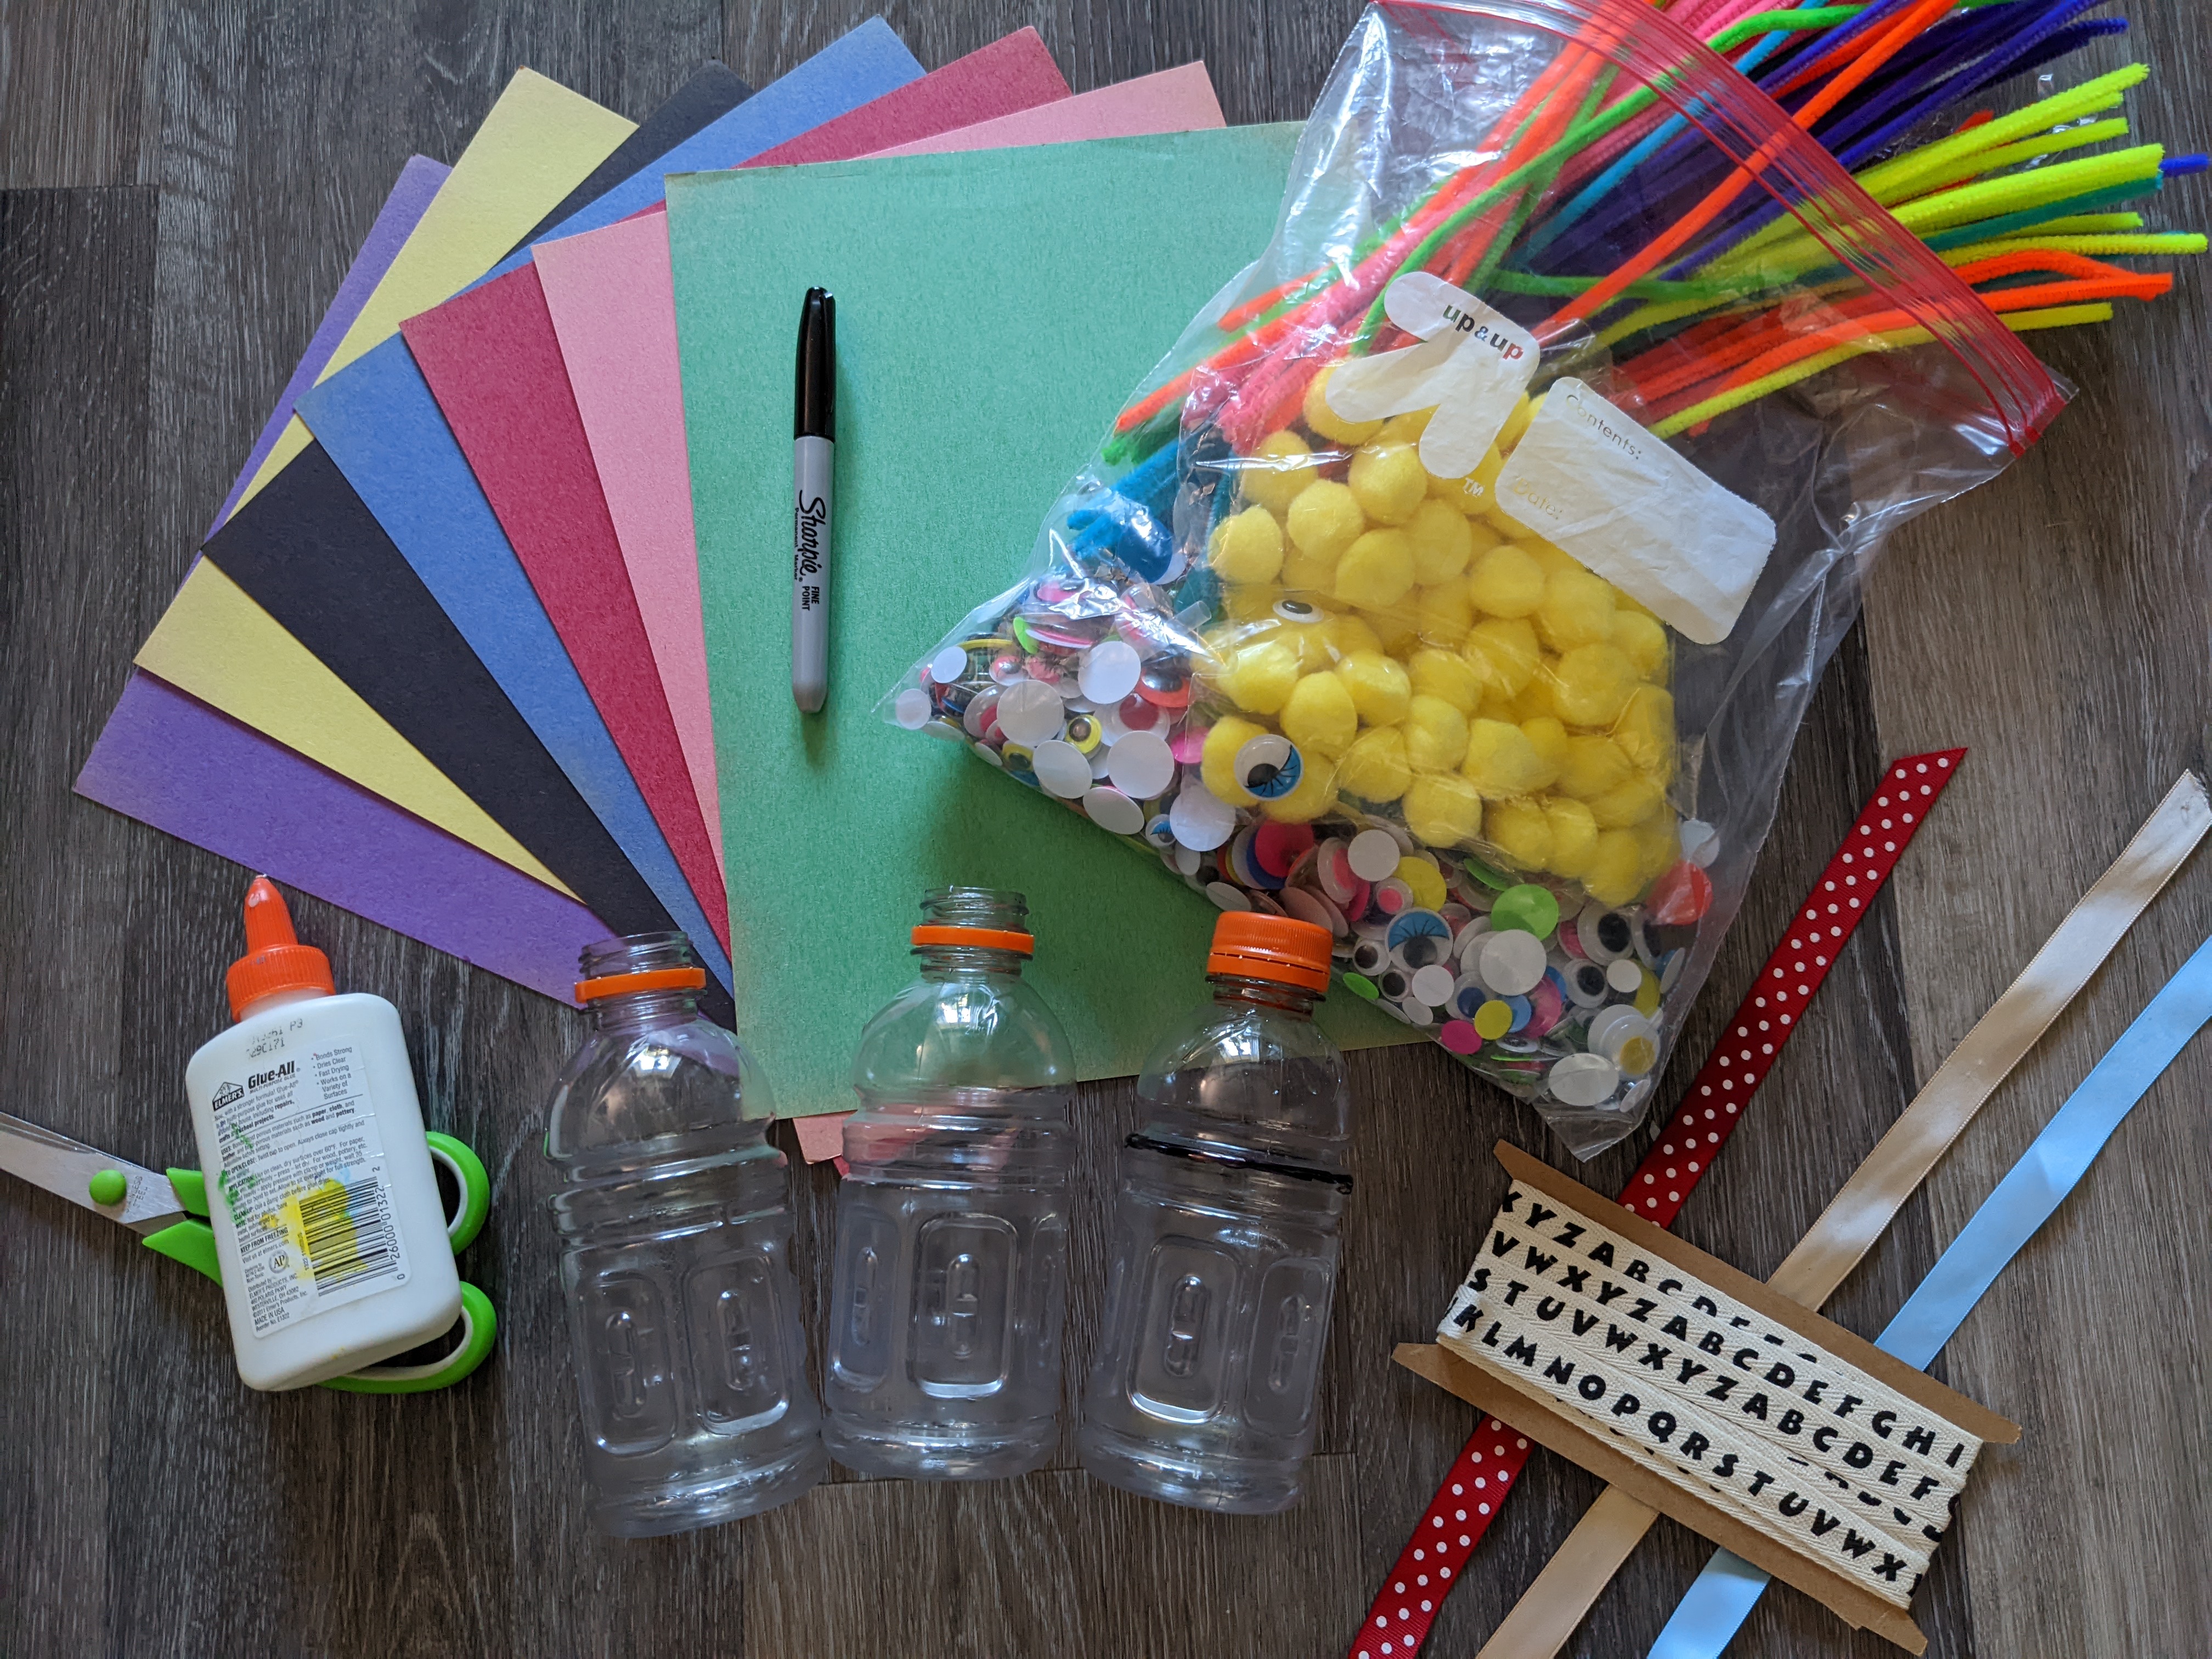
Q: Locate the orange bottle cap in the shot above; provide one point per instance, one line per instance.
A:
(275, 960)
(991, 939)
(649, 979)
(1254, 945)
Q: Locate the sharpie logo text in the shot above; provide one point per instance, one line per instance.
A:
(810, 522)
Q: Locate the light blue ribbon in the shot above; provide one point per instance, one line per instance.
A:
(2031, 1192)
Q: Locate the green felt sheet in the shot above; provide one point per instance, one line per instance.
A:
(993, 310)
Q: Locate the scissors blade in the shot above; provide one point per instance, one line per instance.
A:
(67, 1167)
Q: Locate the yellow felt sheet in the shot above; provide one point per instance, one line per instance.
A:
(539, 141)
(216, 643)
(538, 144)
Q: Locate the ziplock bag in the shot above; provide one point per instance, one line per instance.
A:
(1460, 579)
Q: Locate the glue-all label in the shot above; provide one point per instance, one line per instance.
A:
(303, 1180)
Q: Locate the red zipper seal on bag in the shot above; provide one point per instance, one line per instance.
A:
(1487, 1465)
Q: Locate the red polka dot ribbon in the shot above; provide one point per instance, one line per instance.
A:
(1485, 1470)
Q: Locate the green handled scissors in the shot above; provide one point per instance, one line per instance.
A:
(164, 1210)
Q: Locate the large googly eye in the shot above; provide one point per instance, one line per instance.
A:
(1268, 766)
(1298, 611)
(1605, 935)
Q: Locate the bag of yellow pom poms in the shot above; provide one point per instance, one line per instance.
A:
(1459, 580)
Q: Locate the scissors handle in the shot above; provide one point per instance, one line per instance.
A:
(478, 1325)
(192, 1243)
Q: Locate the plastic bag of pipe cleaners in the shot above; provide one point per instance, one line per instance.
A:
(1460, 579)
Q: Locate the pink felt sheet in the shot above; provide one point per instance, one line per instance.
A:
(613, 307)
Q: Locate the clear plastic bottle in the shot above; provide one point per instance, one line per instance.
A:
(952, 1269)
(1202, 1391)
(675, 1219)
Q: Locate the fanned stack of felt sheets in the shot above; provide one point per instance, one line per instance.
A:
(444, 660)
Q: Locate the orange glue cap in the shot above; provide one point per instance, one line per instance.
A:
(275, 960)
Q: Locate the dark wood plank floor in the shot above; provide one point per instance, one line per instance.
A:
(182, 183)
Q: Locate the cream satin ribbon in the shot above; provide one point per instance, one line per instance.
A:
(1553, 1607)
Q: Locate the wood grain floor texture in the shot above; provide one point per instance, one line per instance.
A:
(181, 183)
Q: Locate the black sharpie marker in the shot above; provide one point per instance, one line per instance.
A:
(814, 445)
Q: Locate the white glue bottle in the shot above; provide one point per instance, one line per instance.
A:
(328, 1225)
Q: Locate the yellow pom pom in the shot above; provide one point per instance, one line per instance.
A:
(1380, 686)
(1374, 768)
(1549, 739)
(1577, 609)
(1501, 762)
(1627, 803)
(1395, 630)
(1519, 830)
(1325, 520)
(1259, 676)
(1441, 811)
(1217, 761)
(1246, 547)
(1326, 422)
(1470, 492)
(1551, 556)
(1516, 423)
(1427, 881)
(1645, 732)
(1319, 717)
(1611, 877)
(1314, 795)
(1376, 570)
(1535, 702)
(1436, 735)
(1347, 636)
(1276, 470)
(1311, 644)
(1593, 766)
(1658, 844)
(1443, 541)
(1591, 684)
(1506, 582)
(1502, 653)
(1444, 613)
(1250, 602)
(1446, 674)
(1509, 526)
(1389, 482)
(1641, 639)
(1308, 572)
(1574, 835)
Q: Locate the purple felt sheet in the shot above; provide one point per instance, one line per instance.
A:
(181, 766)
(168, 760)
(395, 222)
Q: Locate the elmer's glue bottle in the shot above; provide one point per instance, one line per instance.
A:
(328, 1225)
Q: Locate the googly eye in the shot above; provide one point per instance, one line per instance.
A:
(1297, 610)
(1393, 984)
(1268, 766)
(1413, 925)
(1159, 832)
(1083, 731)
(1370, 957)
(1605, 936)
(1165, 684)
(1016, 759)
(1586, 986)
(1007, 667)
(980, 717)
(1420, 951)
